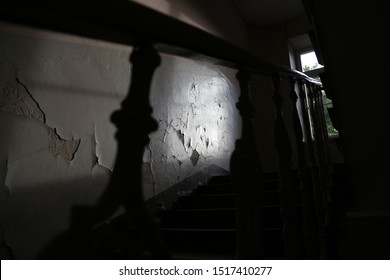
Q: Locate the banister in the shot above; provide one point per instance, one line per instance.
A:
(119, 21)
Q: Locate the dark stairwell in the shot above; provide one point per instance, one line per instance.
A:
(202, 224)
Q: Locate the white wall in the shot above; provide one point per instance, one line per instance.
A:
(57, 146)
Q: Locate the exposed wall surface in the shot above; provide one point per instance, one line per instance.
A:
(57, 146)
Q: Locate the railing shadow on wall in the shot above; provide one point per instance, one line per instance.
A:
(120, 23)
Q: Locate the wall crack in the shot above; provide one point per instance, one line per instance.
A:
(17, 99)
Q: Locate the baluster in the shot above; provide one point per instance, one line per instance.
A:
(322, 167)
(322, 137)
(309, 219)
(246, 171)
(313, 163)
(326, 137)
(326, 174)
(291, 234)
(331, 225)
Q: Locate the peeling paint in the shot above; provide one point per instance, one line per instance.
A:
(147, 157)
(168, 126)
(95, 158)
(179, 162)
(194, 157)
(189, 143)
(181, 137)
(188, 120)
(61, 147)
(51, 80)
(17, 99)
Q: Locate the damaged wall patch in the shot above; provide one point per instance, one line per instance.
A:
(194, 157)
(61, 147)
(15, 98)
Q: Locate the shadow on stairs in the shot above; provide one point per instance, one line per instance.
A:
(202, 224)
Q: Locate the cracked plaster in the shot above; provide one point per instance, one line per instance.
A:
(198, 124)
(76, 86)
(61, 147)
(15, 98)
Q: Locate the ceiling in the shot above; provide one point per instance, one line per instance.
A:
(263, 13)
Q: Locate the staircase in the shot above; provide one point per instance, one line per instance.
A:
(202, 224)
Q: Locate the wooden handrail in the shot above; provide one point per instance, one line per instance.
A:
(125, 22)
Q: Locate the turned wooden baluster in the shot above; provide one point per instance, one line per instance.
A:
(313, 162)
(326, 174)
(246, 172)
(331, 222)
(291, 233)
(323, 181)
(325, 133)
(306, 188)
(322, 136)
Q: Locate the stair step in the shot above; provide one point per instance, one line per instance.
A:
(198, 218)
(215, 189)
(223, 179)
(268, 185)
(202, 224)
(206, 201)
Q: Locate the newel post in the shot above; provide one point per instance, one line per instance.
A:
(246, 171)
(291, 234)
